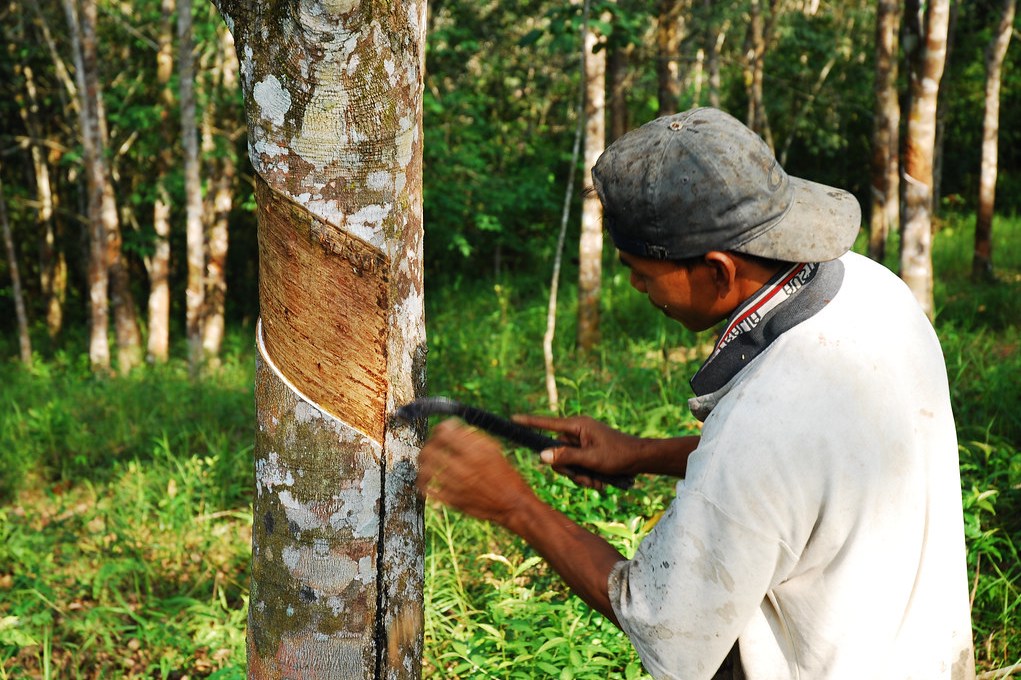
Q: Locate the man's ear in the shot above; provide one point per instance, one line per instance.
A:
(723, 269)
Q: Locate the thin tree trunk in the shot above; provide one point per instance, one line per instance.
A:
(565, 216)
(337, 545)
(158, 263)
(82, 35)
(194, 232)
(996, 52)
(885, 132)
(590, 248)
(52, 263)
(713, 46)
(222, 183)
(945, 95)
(926, 73)
(122, 300)
(755, 59)
(617, 63)
(669, 33)
(24, 341)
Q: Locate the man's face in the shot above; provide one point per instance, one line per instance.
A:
(686, 294)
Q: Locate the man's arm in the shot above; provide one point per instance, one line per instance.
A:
(603, 449)
(466, 470)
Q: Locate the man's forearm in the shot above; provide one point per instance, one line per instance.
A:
(583, 559)
(664, 456)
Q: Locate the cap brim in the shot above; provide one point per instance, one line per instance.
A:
(821, 225)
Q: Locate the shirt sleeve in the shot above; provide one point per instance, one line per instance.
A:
(692, 586)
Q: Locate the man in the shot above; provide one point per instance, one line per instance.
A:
(817, 530)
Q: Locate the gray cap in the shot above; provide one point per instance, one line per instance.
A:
(683, 185)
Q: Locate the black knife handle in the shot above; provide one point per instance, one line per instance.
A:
(502, 427)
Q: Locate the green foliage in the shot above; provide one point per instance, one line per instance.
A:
(125, 553)
(124, 542)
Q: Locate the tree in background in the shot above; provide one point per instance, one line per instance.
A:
(670, 29)
(219, 148)
(760, 30)
(24, 342)
(333, 99)
(195, 294)
(926, 71)
(885, 169)
(83, 45)
(52, 261)
(590, 246)
(982, 261)
(158, 262)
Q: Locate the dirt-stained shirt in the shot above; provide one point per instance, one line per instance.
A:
(819, 525)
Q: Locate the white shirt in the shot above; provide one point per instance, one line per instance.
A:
(820, 521)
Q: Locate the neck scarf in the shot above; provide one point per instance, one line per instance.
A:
(786, 300)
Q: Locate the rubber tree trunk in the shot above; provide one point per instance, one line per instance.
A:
(24, 341)
(52, 263)
(920, 144)
(333, 96)
(669, 33)
(885, 204)
(158, 263)
(219, 205)
(195, 293)
(82, 33)
(759, 31)
(590, 247)
(982, 261)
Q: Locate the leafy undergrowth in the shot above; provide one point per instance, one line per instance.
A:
(125, 525)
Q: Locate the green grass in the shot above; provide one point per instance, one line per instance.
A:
(125, 519)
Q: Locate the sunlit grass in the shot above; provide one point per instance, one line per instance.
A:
(125, 515)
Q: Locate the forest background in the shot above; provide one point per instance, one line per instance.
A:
(125, 524)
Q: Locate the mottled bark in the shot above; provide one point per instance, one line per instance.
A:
(925, 76)
(982, 260)
(82, 34)
(24, 341)
(220, 203)
(885, 204)
(333, 94)
(158, 263)
(590, 247)
(107, 271)
(195, 291)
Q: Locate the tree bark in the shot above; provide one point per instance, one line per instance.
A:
(669, 33)
(617, 61)
(333, 96)
(222, 177)
(982, 260)
(885, 204)
(158, 264)
(714, 37)
(195, 292)
(24, 340)
(82, 33)
(925, 76)
(755, 59)
(52, 263)
(590, 247)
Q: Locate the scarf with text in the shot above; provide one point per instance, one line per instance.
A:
(786, 300)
